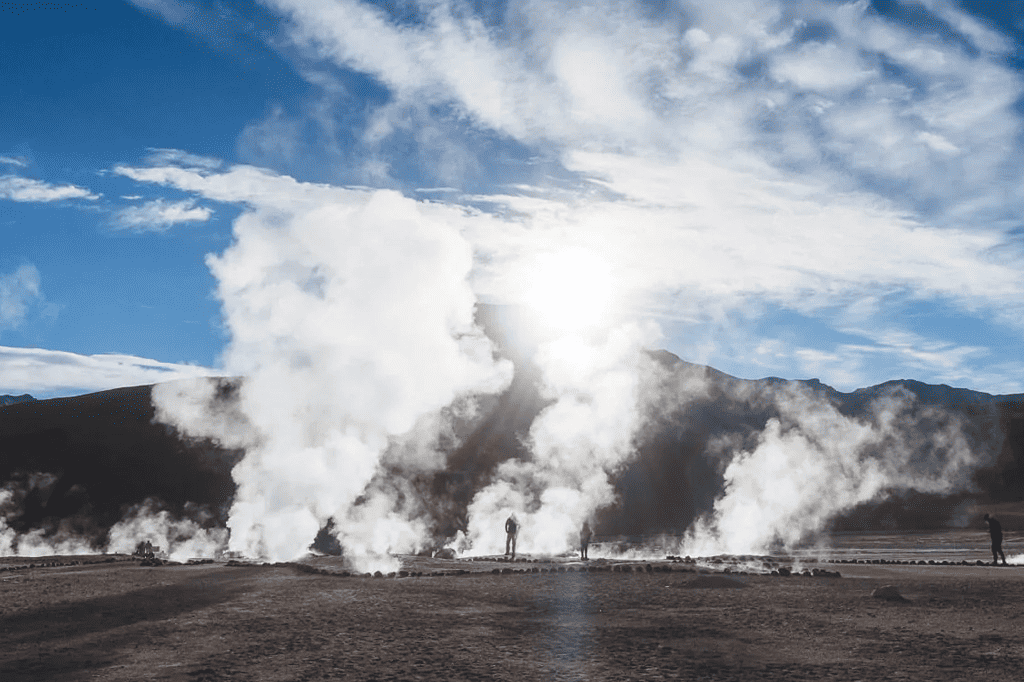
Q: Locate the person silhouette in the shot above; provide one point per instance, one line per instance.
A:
(511, 531)
(995, 531)
(585, 536)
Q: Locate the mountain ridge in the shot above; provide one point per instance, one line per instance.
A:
(78, 464)
(14, 399)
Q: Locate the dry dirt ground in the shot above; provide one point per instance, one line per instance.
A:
(124, 621)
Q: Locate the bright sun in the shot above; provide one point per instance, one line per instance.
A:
(569, 290)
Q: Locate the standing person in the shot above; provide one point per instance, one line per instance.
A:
(511, 531)
(585, 536)
(995, 531)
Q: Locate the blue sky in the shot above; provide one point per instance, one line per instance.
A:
(816, 189)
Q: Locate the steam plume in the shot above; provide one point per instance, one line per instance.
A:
(351, 319)
(577, 443)
(180, 539)
(812, 463)
(62, 539)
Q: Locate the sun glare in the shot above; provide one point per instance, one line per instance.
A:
(569, 290)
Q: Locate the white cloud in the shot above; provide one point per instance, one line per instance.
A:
(12, 161)
(729, 163)
(172, 11)
(274, 141)
(45, 373)
(177, 157)
(18, 291)
(938, 142)
(720, 234)
(889, 354)
(159, 215)
(218, 23)
(605, 77)
(981, 36)
(724, 238)
(17, 188)
(239, 184)
(664, 236)
(823, 67)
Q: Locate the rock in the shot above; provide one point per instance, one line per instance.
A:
(888, 593)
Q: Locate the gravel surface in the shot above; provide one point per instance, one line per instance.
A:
(124, 621)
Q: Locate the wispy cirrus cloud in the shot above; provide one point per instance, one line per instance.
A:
(159, 215)
(178, 157)
(663, 257)
(12, 161)
(723, 158)
(19, 290)
(874, 357)
(942, 362)
(45, 373)
(807, 155)
(219, 24)
(17, 188)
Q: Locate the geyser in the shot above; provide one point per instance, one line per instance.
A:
(352, 323)
(811, 463)
(575, 445)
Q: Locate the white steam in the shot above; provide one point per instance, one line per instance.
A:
(39, 541)
(711, 143)
(179, 539)
(351, 319)
(812, 463)
(36, 543)
(576, 444)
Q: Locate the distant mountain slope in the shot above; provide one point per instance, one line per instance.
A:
(12, 399)
(76, 465)
(677, 474)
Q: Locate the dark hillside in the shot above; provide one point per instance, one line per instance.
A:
(12, 399)
(76, 464)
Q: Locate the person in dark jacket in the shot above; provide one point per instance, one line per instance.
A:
(585, 536)
(511, 531)
(995, 531)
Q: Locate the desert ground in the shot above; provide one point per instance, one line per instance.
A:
(112, 618)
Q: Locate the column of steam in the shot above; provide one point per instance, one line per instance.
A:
(593, 375)
(812, 463)
(350, 318)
